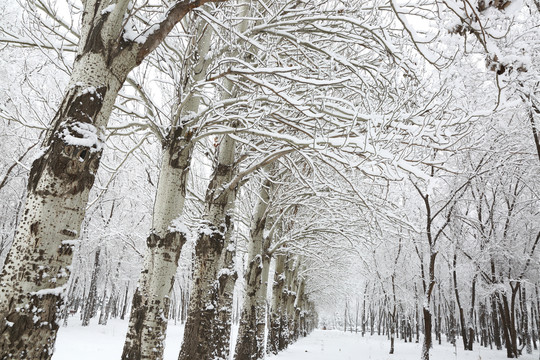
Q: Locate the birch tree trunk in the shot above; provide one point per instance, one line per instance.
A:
(199, 328)
(37, 267)
(250, 343)
(148, 320)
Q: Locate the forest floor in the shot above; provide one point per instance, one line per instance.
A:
(105, 343)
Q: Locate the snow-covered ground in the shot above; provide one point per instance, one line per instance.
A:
(105, 343)
(337, 345)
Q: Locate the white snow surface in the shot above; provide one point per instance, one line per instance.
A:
(337, 345)
(106, 342)
(89, 136)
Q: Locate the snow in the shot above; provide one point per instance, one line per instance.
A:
(38, 154)
(225, 272)
(83, 134)
(337, 345)
(178, 225)
(54, 291)
(131, 34)
(106, 342)
(108, 9)
(71, 242)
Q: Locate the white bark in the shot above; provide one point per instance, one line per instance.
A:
(206, 326)
(37, 267)
(250, 343)
(275, 325)
(147, 328)
(198, 334)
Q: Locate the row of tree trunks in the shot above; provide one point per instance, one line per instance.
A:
(208, 325)
(37, 267)
(514, 314)
(291, 313)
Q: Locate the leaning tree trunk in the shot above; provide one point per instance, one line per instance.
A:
(61, 178)
(198, 334)
(148, 320)
(250, 343)
(37, 267)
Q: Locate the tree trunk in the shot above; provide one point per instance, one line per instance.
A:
(288, 303)
(452, 323)
(198, 334)
(250, 343)
(512, 312)
(91, 301)
(104, 311)
(495, 321)
(364, 312)
(506, 325)
(296, 309)
(469, 344)
(125, 304)
(427, 333)
(58, 188)
(483, 325)
(274, 327)
(226, 278)
(525, 332)
(462, 323)
(151, 301)
(345, 318)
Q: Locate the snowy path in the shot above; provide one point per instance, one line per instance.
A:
(105, 343)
